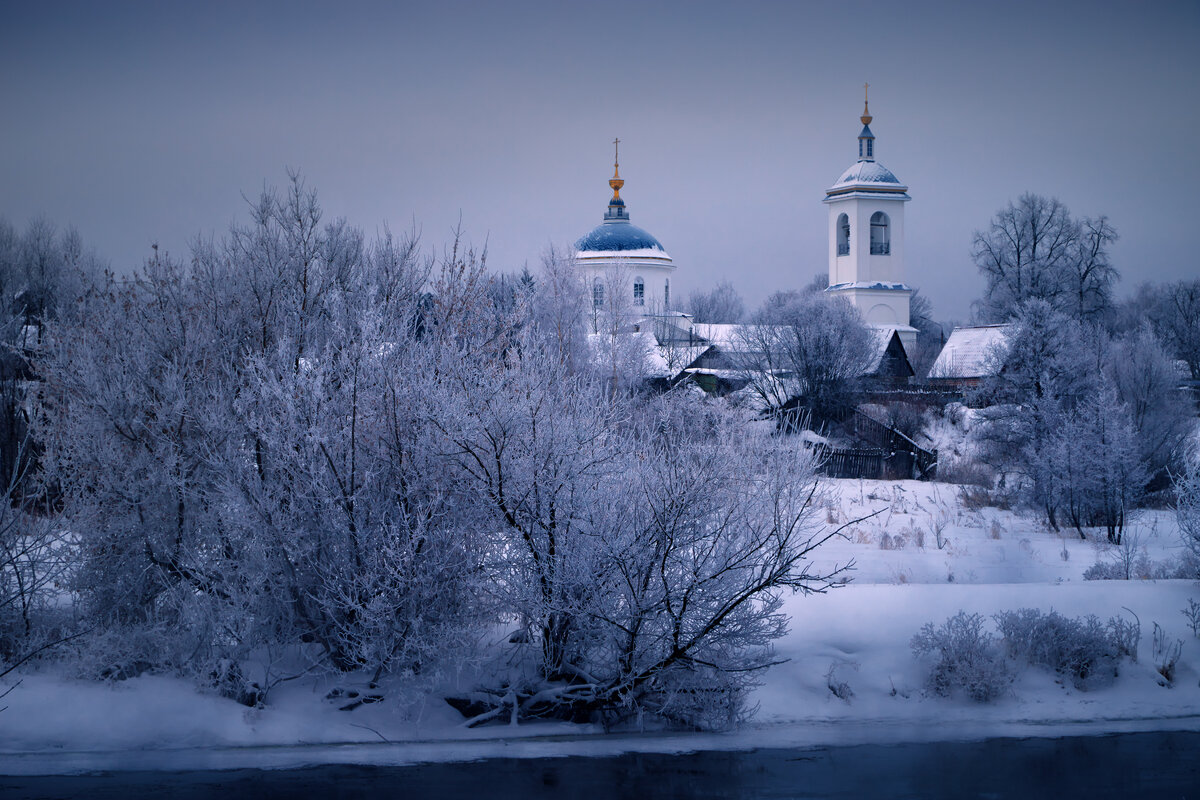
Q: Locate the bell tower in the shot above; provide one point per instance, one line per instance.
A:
(866, 238)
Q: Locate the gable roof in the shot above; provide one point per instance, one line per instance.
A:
(881, 340)
(725, 335)
(967, 353)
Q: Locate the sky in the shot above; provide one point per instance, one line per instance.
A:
(153, 122)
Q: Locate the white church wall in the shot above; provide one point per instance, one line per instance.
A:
(619, 275)
(859, 265)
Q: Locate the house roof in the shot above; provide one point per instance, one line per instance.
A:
(657, 361)
(968, 352)
(880, 339)
(725, 335)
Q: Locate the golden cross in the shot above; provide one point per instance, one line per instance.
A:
(865, 86)
(616, 151)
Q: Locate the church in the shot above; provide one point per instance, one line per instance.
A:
(627, 271)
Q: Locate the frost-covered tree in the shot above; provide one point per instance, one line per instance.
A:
(1078, 420)
(1035, 250)
(1093, 456)
(1147, 383)
(1090, 275)
(43, 270)
(559, 308)
(239, 448)
(647, 545)
(1177, 320)
(716, 526)
(533, 446)
(805, 350)
(1187, 510)
(1042, 371)
(34, 560)
(133, 409)
(721, 304)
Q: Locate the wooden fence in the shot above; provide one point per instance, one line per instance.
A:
(864, 462)
(850, 463)
(921, 464)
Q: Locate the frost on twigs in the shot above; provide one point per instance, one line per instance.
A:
(1166, 653)
(838, 687)
(1192, 613)
(648, 545)
(964, 659)
(1083, 649)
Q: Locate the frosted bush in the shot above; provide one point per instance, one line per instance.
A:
(1192, 612)
(1166, 654)
(967, 658)
(1141, 569)
(1082, 648)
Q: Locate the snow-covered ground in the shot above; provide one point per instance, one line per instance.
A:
(990, 560)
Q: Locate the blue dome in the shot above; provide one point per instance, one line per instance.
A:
(618, 235)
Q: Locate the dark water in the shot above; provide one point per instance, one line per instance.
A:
(1165, 766)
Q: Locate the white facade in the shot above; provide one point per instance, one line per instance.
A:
(866, 240)
(860, 265)
(626, 272)
(623, 271)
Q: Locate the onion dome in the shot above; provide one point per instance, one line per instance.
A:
(617, 235)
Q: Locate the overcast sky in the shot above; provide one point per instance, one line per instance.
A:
(150, 122)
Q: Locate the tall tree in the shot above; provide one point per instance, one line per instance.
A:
(1177, 319)
(1035, 250)
(721, 304)
(1146, 381)
(1041, 372)
(805, 349)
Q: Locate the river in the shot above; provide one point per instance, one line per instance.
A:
(1160, 765)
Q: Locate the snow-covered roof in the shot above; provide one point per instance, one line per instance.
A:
(723, 335)
(968, 351)
(867, 172)
(881, 337)
(656, 361)
(868, 176)
(642, 252)
(883, 286)
(681, 355)
(731, 374)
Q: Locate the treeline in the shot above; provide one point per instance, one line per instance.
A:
(1086, 413)
(305, 450)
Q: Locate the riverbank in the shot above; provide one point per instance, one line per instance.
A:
(856, 637)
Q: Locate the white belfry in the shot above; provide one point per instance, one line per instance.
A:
(866, 240)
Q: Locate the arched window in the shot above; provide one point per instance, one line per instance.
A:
(639, 291)
(881, 243)
(597, 293)
(843, 235)
(667, 295)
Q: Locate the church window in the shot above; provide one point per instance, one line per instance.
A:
(843, 235)
(597, 293)
(639, 291)
(870, 148)
(880, 237)
(667, 295)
